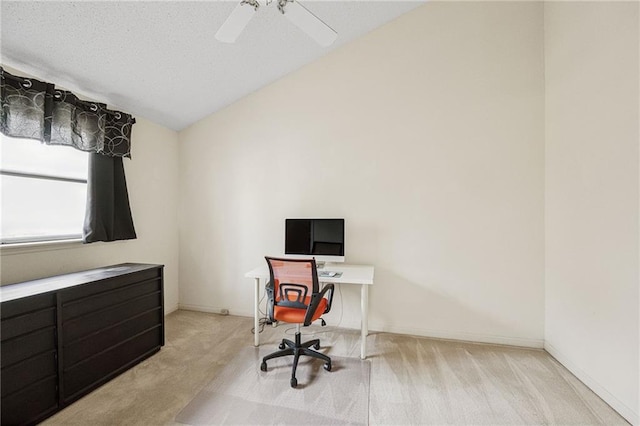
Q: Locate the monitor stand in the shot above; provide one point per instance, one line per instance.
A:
(320, 265)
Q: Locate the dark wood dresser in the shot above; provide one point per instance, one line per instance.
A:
(63, 336)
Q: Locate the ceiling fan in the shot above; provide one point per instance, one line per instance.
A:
(292, 9)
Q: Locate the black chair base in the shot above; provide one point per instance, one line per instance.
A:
(297, 349)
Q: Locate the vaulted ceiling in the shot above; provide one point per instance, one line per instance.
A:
(160, 60)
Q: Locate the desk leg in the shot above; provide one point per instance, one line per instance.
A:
(256, 314)
(364, 327)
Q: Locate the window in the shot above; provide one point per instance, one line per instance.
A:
(43, 191)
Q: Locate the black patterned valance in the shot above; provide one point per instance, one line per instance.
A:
(34, 109)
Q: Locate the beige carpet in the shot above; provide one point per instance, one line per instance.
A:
(413, 380)
(242, 394)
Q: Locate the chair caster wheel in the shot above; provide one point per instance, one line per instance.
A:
(281, 346)
(263, 366)
(327, 366)
(316, 346)
(294, 382)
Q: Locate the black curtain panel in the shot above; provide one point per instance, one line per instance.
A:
(108, 215)
(33, 109)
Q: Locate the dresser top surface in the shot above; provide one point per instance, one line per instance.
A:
(59, 282)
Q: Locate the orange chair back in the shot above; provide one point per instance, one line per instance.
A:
(293, 283)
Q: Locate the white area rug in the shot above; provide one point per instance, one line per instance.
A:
(242, 394)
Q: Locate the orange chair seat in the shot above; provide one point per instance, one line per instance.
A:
(295, 315)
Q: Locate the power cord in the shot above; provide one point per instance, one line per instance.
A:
(264, 320)
(264, 314)
(261, 323)
(341, 306)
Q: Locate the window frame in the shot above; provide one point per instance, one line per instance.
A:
(41, 240)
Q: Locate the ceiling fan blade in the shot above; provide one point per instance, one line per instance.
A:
(236, 22)
(310, 23)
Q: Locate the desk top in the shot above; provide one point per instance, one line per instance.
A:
(351, 274)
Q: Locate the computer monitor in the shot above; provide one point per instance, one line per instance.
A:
(322, 239)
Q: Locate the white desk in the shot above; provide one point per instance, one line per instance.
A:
(351, 274)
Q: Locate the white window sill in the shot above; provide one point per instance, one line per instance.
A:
(21, 248)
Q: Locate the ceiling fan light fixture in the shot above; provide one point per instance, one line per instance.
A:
(237, 21)
(300, 16)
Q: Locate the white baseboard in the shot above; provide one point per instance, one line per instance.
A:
(437, 334)
(461, 336)
(169, 309)
(628, 413)
(213, 310)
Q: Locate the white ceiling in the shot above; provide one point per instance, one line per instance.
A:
(160, 60)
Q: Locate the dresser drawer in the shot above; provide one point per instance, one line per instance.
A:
(34, 403)
(108, 298)
(27, 323)
(98, 369)
(27, 372)
(25, 305)
(104, 285)
(109, 337)
(26, 346)
(96, 321)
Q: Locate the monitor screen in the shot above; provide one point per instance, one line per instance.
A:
(314, 237)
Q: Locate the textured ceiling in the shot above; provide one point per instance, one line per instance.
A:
(160, 60)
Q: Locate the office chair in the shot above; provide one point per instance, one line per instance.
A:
(295, 297)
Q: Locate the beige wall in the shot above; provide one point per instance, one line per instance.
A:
(427, 136)
(591, 53)
(152, 181)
